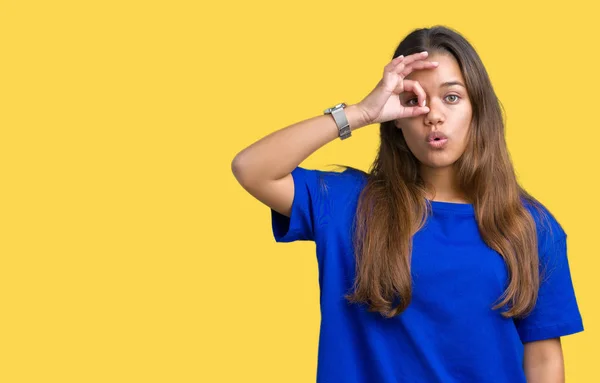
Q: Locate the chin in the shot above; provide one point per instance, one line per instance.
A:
(438, 160)
(438, 165)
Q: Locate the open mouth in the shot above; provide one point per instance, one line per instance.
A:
(438, 143)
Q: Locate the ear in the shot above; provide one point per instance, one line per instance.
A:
(398, 124)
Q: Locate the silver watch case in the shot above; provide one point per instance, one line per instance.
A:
(340, 119)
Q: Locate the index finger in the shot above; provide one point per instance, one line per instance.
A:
(414, 57)
(416, 88)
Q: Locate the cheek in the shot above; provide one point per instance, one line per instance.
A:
(462, 123)
(411, 136)
(467, 115)
(462, 136)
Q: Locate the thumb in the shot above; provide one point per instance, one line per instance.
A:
(413, 111)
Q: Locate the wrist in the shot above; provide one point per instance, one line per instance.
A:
(357, 118)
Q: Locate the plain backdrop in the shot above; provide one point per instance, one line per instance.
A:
(128, 251)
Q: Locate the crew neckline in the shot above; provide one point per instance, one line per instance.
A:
(467, 208)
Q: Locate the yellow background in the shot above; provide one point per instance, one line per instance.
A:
(128, 251)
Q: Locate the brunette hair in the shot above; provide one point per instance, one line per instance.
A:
(392, 206)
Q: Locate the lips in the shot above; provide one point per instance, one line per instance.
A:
(436, 136)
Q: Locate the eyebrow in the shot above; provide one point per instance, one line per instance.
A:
(450, 83)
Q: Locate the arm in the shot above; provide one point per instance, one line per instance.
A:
(543, 361)
(264, 167)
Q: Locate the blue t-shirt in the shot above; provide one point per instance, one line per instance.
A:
(448, 333)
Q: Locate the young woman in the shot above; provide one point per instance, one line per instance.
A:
(436, 265)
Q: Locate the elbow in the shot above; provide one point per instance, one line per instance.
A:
(239, 170)
(236, 167)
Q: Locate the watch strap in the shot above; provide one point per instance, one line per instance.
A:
(339, 115)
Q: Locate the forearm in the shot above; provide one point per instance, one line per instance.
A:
(277, 154)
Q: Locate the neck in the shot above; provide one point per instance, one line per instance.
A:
(443, 181)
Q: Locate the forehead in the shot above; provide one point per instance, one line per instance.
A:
(447, 70)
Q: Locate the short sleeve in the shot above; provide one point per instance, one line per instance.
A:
(556, 312)
(306, 208)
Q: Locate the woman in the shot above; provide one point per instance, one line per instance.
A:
(435, 266)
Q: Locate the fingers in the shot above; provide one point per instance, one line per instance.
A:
(414, 57)
(405, 66)
(416, 88)
(414, 111)
(395, 63)
(419, 65)
(391, 66)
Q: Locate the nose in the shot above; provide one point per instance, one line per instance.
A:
(435, 115)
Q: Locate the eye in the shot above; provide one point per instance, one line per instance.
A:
(453, 95)
(453, 101)
(408, 102)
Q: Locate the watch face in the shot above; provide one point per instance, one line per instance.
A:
(338, 106)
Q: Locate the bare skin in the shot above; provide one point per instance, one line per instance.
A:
(450, 112)
(264, 168)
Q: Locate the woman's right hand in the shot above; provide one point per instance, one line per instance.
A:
(383, 103)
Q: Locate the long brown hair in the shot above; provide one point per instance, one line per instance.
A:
(393, 206)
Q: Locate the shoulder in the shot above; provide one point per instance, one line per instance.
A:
(342, 181)
(331, 194)
(549, 229)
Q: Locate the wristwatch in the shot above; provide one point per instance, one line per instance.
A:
(340, 120)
